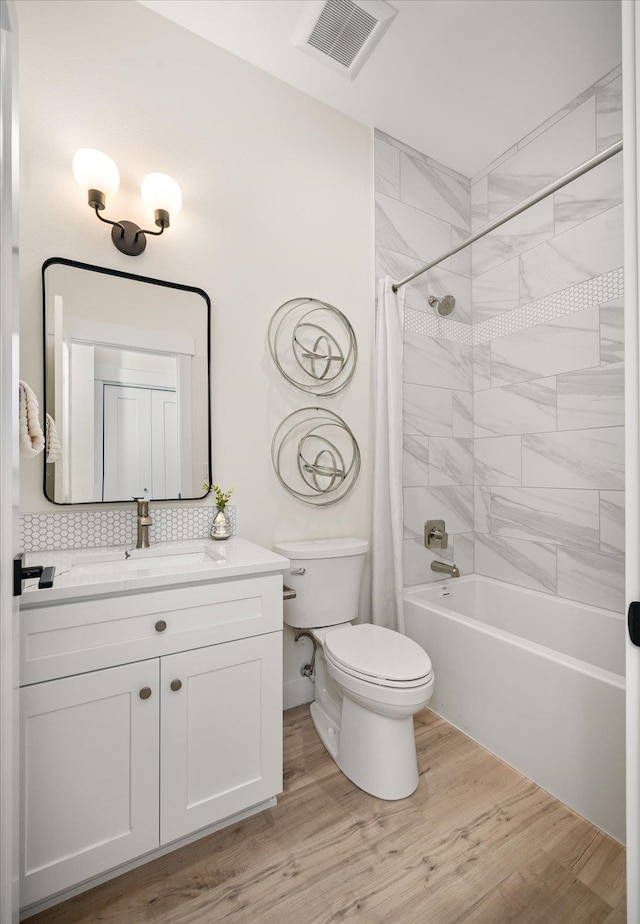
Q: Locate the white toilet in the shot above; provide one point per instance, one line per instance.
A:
(369, 681)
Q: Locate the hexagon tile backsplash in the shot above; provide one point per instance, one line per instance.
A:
(95, 528)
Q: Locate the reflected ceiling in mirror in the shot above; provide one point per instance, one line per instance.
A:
(127, 384)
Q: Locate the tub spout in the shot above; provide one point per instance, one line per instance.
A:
(443, 568)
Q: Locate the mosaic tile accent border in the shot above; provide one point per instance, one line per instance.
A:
(98, 528)
(588, 294)
(430, 325)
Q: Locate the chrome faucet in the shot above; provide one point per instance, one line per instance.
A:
(144, 522)
(443, 568)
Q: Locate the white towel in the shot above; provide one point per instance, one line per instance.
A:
(31, 435)
(53, 447)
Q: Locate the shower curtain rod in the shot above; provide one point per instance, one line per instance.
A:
(526, 204)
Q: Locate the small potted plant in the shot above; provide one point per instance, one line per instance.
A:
(221, 528)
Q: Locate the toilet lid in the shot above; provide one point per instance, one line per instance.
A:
(376, 652)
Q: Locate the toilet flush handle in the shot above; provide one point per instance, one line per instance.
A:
(298, 571)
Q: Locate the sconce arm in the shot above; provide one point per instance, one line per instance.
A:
(155, 233)
(162, 221)
(106, 221)
(129, 238)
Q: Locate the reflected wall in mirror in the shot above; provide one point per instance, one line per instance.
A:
(127, 384)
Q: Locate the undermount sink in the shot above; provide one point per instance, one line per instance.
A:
(161, 559)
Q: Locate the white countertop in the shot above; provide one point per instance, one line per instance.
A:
(115, 570)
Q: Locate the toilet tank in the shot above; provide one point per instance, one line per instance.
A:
(328, 592)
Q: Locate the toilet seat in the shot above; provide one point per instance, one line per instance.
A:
(377, 655)
(381, 681)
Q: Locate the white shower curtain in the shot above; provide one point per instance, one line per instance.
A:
(387, 520)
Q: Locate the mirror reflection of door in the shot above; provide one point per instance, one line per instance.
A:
(136, 419)
(140, 446)
(126, 410)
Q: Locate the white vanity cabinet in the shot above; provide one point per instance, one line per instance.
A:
(89, 776)
(173, 726)
(216, 762)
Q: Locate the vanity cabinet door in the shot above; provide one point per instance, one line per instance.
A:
(221, 732)
(89, 775)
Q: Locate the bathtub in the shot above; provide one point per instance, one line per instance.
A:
(536, 679)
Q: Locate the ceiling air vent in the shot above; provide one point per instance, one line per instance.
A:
(342, 33)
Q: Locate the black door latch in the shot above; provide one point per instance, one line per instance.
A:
(634, 623)
(22, 574)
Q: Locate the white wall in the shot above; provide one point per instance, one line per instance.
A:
(278, 192)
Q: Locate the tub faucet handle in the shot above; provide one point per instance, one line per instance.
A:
(435, 536)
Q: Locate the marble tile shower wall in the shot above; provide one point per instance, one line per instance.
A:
(422, 209)
(548, 398)
(513, 413)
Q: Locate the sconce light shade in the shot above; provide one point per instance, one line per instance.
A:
(94, 170)
(161, 194)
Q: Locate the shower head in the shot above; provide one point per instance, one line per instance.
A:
(445, 305)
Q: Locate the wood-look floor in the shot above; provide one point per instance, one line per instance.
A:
(476, 843)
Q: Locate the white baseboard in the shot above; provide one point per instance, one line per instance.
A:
(297, 691)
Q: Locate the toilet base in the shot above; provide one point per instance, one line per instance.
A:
(328, 731)
(375, 752)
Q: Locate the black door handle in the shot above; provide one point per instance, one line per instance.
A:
(634, 623)
(22, 574)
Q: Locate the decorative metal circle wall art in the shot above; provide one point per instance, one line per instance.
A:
(315, 456)
(313, 345)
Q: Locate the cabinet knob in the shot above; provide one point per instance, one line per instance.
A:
(145, 693)
(161, 625)
(176, 685)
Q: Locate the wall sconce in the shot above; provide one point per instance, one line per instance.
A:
(98, 175)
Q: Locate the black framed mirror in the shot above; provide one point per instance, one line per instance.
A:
(127, 386)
